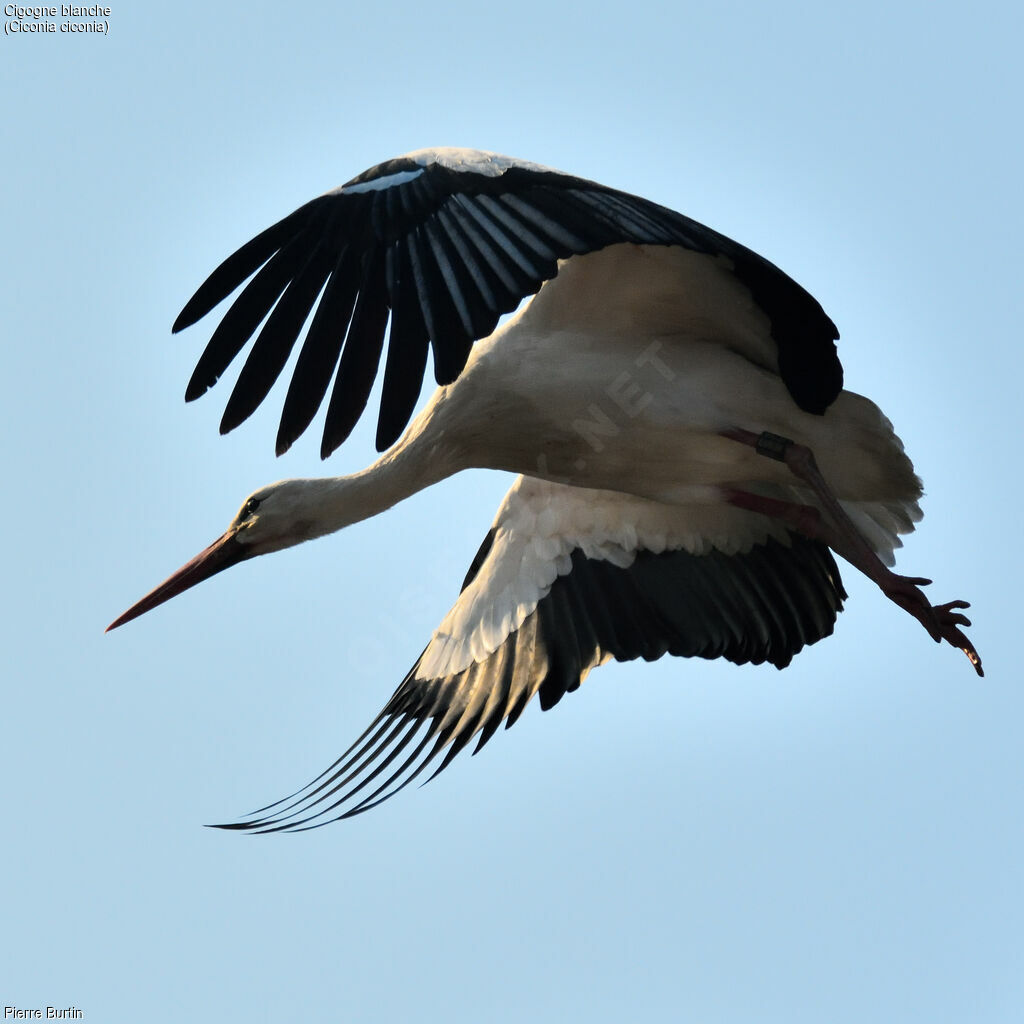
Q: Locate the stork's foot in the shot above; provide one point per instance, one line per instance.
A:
(949, 620)
(907, 593)
(941, 621)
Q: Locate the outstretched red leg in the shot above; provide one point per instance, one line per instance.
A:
(834, 527)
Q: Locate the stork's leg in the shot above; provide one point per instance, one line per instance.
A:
(836, 529)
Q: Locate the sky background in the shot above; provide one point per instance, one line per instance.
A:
(684, 841)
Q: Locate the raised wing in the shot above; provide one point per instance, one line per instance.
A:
(442, 242)
(565, 580)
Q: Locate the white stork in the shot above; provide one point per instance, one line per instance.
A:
(663, 397)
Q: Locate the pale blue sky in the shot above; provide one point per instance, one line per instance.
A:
(685, 841)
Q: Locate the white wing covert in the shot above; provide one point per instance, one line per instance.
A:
(565, 580)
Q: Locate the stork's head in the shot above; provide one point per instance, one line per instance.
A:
(274, 517)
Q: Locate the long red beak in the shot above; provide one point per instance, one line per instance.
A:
(223, 553)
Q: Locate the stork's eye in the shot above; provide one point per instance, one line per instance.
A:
(251, 505)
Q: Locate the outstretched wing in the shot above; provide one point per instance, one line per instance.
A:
(443, 241)
(565, 580)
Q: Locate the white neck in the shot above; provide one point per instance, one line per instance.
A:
(308, 508)
(337, 502)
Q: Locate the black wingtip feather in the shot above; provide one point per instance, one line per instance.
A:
(360, 357)
(320, 352)
(195, 388)
(243, 262)
(246, 313)
(406, 361)
(275, 341)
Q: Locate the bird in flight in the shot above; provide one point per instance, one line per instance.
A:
(672, 403)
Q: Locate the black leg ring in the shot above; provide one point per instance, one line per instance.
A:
(773, 446)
